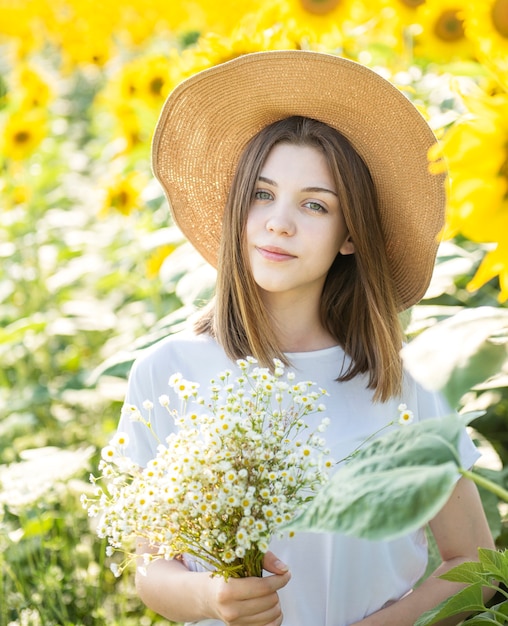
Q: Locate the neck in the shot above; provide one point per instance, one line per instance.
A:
(298, 324)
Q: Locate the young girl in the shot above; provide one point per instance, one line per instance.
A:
(303, 178)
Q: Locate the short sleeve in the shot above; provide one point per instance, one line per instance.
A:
(142, 445)
(431, 404)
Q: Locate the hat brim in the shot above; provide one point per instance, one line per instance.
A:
(208, 119)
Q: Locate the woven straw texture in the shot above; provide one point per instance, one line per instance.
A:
(209, 118)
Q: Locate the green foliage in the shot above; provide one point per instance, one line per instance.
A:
(392, 486)
(74, 292)
(473, 347)
(492, 566)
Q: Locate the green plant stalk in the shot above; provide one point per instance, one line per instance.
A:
(497, 614)
(253, 563)
(481, 481)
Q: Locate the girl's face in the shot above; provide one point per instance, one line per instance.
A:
(295, 226)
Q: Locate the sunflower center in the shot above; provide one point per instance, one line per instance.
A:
(156, 85)
(499, 16)
(121, 199)
(21, 137)
(412, 3)
(319, 7)
(449, 27)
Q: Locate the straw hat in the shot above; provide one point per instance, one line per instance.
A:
(208, 119)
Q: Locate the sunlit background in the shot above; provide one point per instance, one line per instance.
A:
(92, 269)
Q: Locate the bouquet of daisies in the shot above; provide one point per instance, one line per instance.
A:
(239, 467)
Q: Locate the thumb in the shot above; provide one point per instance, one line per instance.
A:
(273, 564)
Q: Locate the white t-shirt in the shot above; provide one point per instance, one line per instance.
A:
(335, 579)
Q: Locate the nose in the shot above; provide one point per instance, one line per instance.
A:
(281, 220)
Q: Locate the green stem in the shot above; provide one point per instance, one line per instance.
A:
(365, 441)
(481, 481)
(497, 614)
(253, 563)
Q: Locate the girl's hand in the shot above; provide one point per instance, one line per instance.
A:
(251, 601)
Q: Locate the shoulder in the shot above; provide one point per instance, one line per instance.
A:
(423, 402)
(195, 356)
(184, 344)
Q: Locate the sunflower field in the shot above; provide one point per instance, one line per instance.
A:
(92, 269)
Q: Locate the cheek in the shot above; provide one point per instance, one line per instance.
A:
(330, 235)
(250, 227)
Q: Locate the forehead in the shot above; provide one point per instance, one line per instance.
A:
(304, 161)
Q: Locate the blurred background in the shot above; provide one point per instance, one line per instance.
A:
(92, 269)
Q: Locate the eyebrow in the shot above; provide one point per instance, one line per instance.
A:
(263, 179)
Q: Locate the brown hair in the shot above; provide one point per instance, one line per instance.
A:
(359, 305)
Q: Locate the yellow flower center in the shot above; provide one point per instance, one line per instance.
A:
(156, 85)
(319, 7)
(120, 199)
(412, 3)
(499, 15)
(449, 27)
(21, 137)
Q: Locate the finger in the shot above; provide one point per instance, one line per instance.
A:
(252, 588)
(273, 564)
(276, 581)
(271, 617)
(261, 611)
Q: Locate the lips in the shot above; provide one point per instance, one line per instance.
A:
(274, 253)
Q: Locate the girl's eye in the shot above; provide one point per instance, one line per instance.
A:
(262, 195)
(315, 206)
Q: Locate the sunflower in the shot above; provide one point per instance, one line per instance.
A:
(134, 96)
(128, 125)
(476, 150)
(84, 46)
(442, 37)
(34, 91)
(213, 49)
(486, 25)
(150, 79)
(22, 134)
(13, 193)
(123, 194)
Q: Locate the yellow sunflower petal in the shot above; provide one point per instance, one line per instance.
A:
(157, 258)
(495, 263)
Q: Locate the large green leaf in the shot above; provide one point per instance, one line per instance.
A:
(392, 486)
(497, 614)
(470, 572)
(494, 563)
(380, 506)
(468, 599)
(455, 354)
